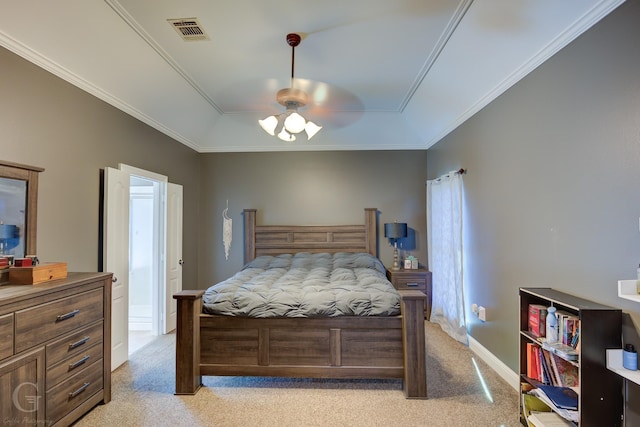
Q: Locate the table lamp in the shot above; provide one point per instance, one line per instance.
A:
(394, 231)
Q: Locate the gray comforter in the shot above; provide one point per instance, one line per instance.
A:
(306, 285)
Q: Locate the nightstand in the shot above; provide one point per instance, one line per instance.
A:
(417, 279)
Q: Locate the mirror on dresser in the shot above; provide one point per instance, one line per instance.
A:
(18, 209)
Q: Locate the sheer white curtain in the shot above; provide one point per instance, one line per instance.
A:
(444, 243)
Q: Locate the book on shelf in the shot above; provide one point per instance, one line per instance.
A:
(553, 373)
(567, 325)
(565, 351)
(532, 404)
(547, 419)
(536, 360)
(546, 379)
(576, 338)
(567, 373)
(568, 414)
(537, 320)
(561, 397)
(554, 367)
(532, 371)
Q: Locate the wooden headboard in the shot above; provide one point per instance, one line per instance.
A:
(284, 239)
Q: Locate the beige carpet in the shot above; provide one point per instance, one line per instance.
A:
(142, 395)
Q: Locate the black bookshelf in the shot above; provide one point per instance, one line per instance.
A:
(600, 401)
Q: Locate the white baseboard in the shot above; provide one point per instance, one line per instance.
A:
(512, 378)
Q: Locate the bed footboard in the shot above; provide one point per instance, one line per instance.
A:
(338, 347)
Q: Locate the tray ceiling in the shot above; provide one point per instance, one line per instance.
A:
(382, 75)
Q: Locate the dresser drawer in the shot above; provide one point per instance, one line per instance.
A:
(73, 344)
(69, 394)
(73, 364)
(46, 321)
(6, 336)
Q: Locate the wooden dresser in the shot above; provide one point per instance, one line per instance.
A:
(55, 349)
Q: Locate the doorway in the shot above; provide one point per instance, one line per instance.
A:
(144, 261)
(166, 251)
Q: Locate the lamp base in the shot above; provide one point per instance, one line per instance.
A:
(396, 264)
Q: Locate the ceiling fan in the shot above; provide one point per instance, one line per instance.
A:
(290, 123)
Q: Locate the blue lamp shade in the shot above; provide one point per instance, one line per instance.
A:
(395, 230)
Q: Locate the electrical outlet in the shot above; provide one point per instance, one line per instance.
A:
(482, 313)
(474, 309)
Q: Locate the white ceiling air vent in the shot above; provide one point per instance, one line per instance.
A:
(189, 29)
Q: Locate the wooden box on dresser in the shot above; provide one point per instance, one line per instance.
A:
(55, 349)
(600, 328)
(417, 279)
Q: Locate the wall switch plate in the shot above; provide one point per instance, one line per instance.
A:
(482, 313)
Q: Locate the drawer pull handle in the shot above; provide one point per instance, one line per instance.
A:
(69, 315)
(79, 362)
(79, 343)
(82, 388)
(413, 285)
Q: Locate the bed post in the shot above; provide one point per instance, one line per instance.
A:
(413, 337)
(188, 378)
(249, 234)
(370, 230)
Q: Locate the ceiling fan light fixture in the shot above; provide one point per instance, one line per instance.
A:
(311, 129)
(269, 125)
(291, 98)
(286, 136)
(294, 123)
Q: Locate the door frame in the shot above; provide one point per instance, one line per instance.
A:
(120, 319)
(161, 269)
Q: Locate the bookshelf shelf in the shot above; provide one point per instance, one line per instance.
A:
(628, 289)
(614, 363)
(600, 328)
(540, 342)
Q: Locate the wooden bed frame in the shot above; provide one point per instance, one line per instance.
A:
(334, 347)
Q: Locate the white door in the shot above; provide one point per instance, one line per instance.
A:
(174, 254)
(116, 259)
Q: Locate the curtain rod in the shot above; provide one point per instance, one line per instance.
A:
(461, 171)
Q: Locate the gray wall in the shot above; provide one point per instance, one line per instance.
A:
(49, 123)
(552, 192)
(314, 188)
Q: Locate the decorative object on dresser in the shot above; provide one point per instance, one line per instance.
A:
(37, 274)
(394, 231)
(418, 279)
(55, 349)
(546, 370)
(346, 346)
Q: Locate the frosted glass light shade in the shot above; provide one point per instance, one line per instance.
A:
(311, 129)
(269, 124)
(286, 136)
(294, 123)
